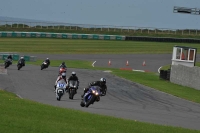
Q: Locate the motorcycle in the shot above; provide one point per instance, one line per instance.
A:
(20, 65)
(44, 65)
(60, 89)
(73, 85)
(7, 63)
(91, 96)
(62, 70)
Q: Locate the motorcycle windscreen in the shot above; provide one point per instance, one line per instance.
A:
(61, 84)
(73, 83)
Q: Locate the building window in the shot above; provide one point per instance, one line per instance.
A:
(191, 54)
(178, 53)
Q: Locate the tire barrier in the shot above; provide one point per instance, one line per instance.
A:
(165, 74)
(16, 57)
(162, 39)
(61, 35)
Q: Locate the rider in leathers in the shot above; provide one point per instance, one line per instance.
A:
(47, 61)
(61, 77)
(101, 84)
(22, 61)
(73, 77)
(9, 57)
(63, 65)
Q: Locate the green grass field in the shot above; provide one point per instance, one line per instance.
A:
(67, 46)
(17, 115)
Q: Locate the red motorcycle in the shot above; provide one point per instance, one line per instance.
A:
(62, 70)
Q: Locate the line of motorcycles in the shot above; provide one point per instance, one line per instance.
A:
(8, 62)
(93, 94)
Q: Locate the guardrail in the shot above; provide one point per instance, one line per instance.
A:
(61, 35)
(96, 28)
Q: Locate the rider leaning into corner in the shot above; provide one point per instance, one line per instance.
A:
(47, 61)
(101, 83)
(61, 77)
(22, 61)
(9, 57)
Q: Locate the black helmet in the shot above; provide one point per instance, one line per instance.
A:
(103, 80)
(63, 63)
(73, 73)
(63, 75)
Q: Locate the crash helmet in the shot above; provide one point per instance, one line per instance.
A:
(73, 73)
(63, 75)
(63, 63)
(22, 57)
(47, 58)
(103, 80)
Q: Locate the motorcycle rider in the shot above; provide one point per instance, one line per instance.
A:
(22, 61)
(101, 84)
(47, 61)
(75, 78)
(9, 57)
(61, 77)
(63, 65)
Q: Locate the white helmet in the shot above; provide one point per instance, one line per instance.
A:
(63, 75)
(22, 57)
(73, 73)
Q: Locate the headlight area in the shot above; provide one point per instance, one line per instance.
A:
(95, 92)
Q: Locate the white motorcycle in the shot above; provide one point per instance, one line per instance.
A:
(60, 89)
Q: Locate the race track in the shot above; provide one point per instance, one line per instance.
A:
(124, 99)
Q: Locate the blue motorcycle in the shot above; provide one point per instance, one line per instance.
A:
(91, 96)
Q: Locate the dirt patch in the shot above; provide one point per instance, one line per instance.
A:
(2, 69)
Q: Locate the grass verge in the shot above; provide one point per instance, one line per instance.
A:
(24, 116)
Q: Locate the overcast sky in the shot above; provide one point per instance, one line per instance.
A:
(141, 13)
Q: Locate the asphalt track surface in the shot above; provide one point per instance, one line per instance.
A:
(124, 99)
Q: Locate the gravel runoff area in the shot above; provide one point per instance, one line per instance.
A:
(124, 99)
